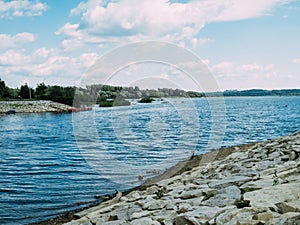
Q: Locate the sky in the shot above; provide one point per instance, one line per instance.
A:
(244, 44)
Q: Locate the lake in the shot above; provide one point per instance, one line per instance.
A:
(52, 163)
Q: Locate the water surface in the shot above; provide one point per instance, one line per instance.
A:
(43, 163)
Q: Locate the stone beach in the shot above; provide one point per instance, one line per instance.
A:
(251, 184)
(32, 106)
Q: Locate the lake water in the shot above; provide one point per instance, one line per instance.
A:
(52, 163)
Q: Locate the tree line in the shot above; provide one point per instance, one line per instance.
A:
(97, 93)
(42, 91)
(91, 94)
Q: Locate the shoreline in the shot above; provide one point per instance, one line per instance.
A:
(27, 106)
(181, 169)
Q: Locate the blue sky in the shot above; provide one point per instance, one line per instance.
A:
(245, 44)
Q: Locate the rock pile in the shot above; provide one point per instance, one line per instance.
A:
(32, 106)
(254, 186)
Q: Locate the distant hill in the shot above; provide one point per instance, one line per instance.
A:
(255, 92)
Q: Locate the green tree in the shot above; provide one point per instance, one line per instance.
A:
(4, 90)
(41, 91)
(26, 92)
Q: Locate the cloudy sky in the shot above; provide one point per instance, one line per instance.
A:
(245, 44)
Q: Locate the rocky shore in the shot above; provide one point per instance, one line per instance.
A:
(251, 184)
(32, 107)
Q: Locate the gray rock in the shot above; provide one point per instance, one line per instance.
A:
(191, 194)
(205, 212)
(154, 204)
(137, 215)
(152, 190)
(293, 155)
(292, 206)
(269, 196)
(290, 218)
(184, 207)
(81, 221)
(184, 220)
(236, 180)
(144, 221)
(117, 222)
(264, 216)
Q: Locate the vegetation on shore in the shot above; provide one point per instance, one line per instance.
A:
(104, 95)
(107, 96)
(146, 100)
(104, 102)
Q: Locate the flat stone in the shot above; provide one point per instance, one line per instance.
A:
(140, 214)
(236, 180)
(290, 218)
(117, 222)
(154, 204)
(269, 196)
(205, 212)
(144, 221)
(292, 206)
(81, 221)
(191, 194)
(264, 216)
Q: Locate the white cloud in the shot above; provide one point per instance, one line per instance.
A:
(44, 64)
(230, 69)
(10, 41)
(232, 75)
(13, 58)
(297, 60)
(16, 8)
(135, 20)
(233, 10)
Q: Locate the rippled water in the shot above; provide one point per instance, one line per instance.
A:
(50, 163)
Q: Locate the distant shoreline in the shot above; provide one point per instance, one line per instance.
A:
(43, 106)
(28, 106)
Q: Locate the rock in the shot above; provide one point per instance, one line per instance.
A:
(290, 218)
(242, 216)
(184, 220)
(226, 216)
(269, 196)
(191, 194)
(184, 207)
(133, 196)
(292, 206)
(137, 215)
(293, 155)
(235, 190)
(152, 190)
(264, 216)
(154, 204)
(118, 222)
(205, 212)
(236, 180)
(81, 221)
(144, 221)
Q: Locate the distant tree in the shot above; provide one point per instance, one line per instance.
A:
(68, 95)
(41, 91)
(60, 94)
(55, 93)
(24, 92)
(4, 90)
